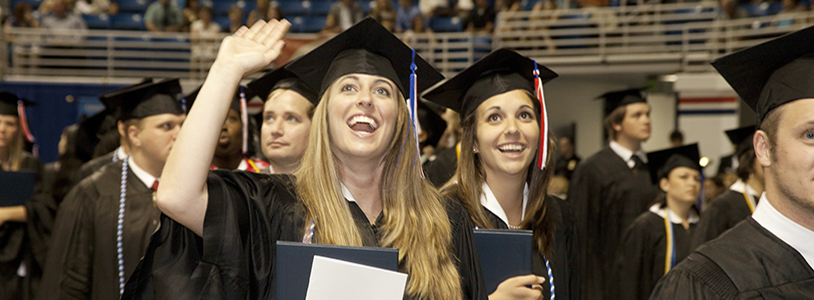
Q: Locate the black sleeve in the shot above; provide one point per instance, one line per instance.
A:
(466, 252)
(569, 224)
(695, 278)
(711, 224)
(584, 196)
(634, 261)
(76, 263)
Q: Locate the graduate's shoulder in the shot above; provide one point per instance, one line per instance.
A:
(29, 161)
(279, 186)
(600, 163)
(647, 221)
(562, 211)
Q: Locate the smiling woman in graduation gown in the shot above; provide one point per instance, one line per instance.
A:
(361, 147)
(660, 238)
(503, 187)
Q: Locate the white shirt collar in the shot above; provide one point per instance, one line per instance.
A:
(120, 153)
(345, 192)
(488, 200)
(142, 175)
(243, 166)
(674, 218)
(793, 234)
(627, 155)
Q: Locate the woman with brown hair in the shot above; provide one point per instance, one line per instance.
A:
(504, 167)
(358, 183)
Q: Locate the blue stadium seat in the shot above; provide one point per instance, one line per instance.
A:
(223, 21)
(132, 6)
(319, 8)
(97, 22)
(313, 24)
(292, 8)
(125, 21)
(221, 8)
(34, 4)
(439, 24)
(367, 4)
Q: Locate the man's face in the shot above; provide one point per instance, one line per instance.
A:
(636, 124)
(157, 135)
(791, 166)
(230, 140)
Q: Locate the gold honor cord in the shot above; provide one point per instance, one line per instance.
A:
(748, 202)
(669, 257)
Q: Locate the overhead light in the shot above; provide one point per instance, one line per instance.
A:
(704, 161)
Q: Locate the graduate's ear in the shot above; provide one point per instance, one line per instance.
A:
(763, 150)
(120, 127)
(133, 134)
(617, 127)
(664, 184)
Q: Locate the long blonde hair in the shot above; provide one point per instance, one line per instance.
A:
(468, 179)
(414, 216)
(15, 149)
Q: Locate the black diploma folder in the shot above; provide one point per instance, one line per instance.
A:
(503, 254)
(294, 263)
(16, 187)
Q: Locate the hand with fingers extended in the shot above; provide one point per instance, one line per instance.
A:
(515, 288)
(251, 49)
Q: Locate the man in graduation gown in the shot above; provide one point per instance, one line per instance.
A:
(739, 202)
(233, 143)
(610, 189)
(770, 254)
(116, 201)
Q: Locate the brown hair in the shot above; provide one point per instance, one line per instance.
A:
(16, 148)
(413, 213)
(615, 118)
(746, 164)
(469, 177)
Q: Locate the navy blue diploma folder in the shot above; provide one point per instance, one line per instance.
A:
(16, 187)
(294, 263)
(503, 254)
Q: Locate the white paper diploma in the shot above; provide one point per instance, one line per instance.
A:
(338, 279)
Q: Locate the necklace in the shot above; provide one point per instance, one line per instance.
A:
(515, 227)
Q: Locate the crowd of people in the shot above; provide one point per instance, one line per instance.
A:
(363, 143)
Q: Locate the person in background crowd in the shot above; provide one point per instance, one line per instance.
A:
(286, 119)
(610, 189)
(405, 15)
(274, 13)
(660, 238)
(384, 13)
(740, 201)
(67, 26)
(235, 18)
(770, 254)
(24, 229)
(713, 187)
(260, 12)
(65, 169)
(89, 243)
(22, 17)
(481, 18)
(502, 175)
(676, 138)
(203, 36)
(190, 13)
(96, 7)
(437, 8)
(163, 16)
(344, 13)
(567, 160)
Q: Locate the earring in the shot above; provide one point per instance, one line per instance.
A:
(474, 150)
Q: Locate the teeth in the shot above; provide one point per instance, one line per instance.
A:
(363, 119)
(511, 147)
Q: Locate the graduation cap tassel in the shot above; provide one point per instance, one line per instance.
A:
(184, 104)
(543, 151)
(413, 107)
(24, 121)
(244, 117)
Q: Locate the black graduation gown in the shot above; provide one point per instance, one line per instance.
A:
(26, 243)
(441, 169)
(640, 261)
(565, 167)
(94, 165)
(564, 260)
(247, 213)
(83, 263)
(723, 213)
(746, 262)
(606, 196)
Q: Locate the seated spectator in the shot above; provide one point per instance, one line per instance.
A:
(163, 16)
(259, 13)
(345, 13)
(731, 11)
(786, 16)
(190, 13)
(96, 7)
(274, 13)
(508, 5)
(22, 17)
(481, 18)
(203, 34)
(405, 14)
(385, 14)
(66, 25)
(419, 33)
(676, 138)
(436, 8)
(235, 18)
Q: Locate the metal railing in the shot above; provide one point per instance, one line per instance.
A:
(686, 37)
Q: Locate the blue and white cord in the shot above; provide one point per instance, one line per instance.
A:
(120, 227)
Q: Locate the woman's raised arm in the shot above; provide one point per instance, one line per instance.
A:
(182, 194)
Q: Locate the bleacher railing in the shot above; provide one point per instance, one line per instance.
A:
(685, 36)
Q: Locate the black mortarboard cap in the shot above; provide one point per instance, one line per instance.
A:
(235, 105)
(144, 100)
(741, 137)
(364, 48)
(663, 161)
(431, 122)
(772, 73)
(9, 103)
(282, 79)
(501, 71)
(616, 99)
